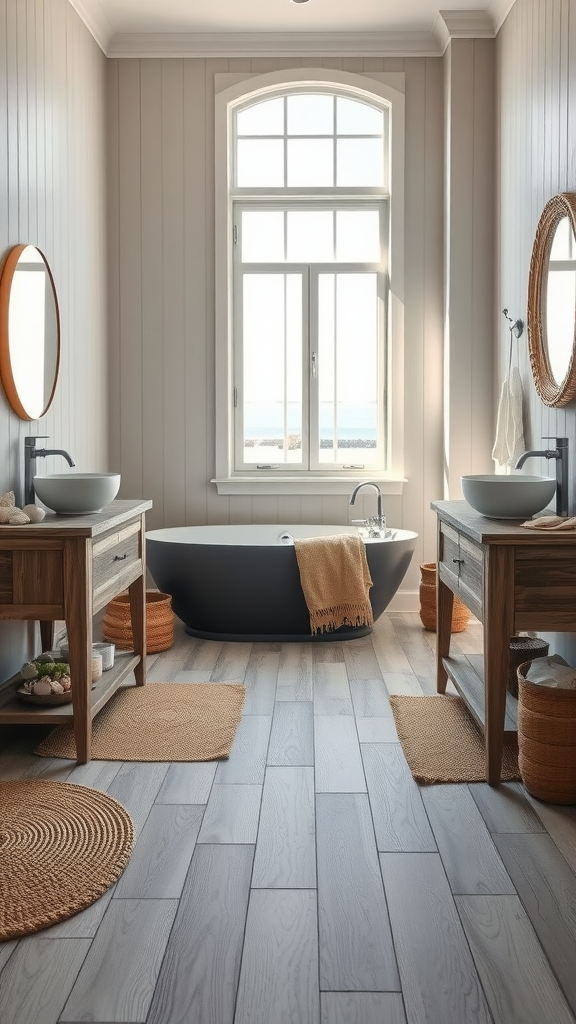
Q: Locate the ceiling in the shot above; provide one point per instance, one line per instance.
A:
(227, 27)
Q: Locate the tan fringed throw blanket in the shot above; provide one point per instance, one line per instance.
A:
(335, 579)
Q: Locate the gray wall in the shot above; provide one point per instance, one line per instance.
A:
(161, 216)
(536, 124)
(52, 194)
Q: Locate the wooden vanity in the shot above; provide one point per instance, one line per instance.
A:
(512, 579)
(70, 567)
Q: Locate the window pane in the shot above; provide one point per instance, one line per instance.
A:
(358, 236)
(360, 162)
(354, 118)
(272, 368)
(348, 368)
(310, 236)
(310, 115)
(310, 163)
(263, 236)
(260, 163)
(266, 118)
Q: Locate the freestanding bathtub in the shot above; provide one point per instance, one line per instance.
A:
(242, 582)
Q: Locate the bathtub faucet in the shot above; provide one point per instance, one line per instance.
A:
(560, 453)
(31, 453)
(376, 523)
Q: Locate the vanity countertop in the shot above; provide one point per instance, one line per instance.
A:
(465, 519)
(114, 515)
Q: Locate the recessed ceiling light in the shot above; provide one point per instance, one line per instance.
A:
(299, 1)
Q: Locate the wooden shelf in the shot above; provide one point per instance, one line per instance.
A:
(16, 712)
(468, 680)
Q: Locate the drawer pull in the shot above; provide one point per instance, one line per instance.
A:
(459, 560)
(119, 558)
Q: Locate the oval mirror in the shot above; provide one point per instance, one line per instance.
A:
(29, 332)
(552, 302)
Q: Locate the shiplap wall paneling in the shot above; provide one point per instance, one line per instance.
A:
(52, 188)
(536, 138)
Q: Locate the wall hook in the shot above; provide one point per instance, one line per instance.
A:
(516, 326)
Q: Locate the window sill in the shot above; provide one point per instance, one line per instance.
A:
(303, 485)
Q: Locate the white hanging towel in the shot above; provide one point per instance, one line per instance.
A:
(509, 441)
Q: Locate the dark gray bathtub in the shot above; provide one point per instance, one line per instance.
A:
(242, 582)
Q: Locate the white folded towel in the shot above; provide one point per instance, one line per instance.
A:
(552, 671)
(509, 441)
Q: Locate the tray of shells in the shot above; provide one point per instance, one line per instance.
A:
(44, 681)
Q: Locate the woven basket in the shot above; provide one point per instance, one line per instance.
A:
(460, 613)
(523, 649)
(547, 740)
(117, 625)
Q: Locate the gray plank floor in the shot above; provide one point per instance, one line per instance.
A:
(308, 879)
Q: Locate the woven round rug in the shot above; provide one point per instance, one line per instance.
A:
(442, 743)
(61, 848)
(159, 722)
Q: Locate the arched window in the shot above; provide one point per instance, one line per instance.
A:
(309, 190)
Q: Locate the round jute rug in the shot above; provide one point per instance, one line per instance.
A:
(61, 847)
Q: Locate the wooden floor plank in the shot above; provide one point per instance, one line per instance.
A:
(292, 735)
(199, 976)
(560, 823)
(469, 856)
(338, 762)
(360, 660)
(361, 1008)
(6, 949)
(440, 984)
(127, 952)
(331, 689)
(37, 979)
(203, 654)
(232, 663)
(279, 976)
(505, 808)
(356, 950)
(516, 976)
(247, 759)
(96, 774)
(295, 672)
(187, 783)
(231, 815)
(370, 698)
(402, 683)
(285, 855)
(377, 730)
(85, 924)
(161, 858)
(136, 786)
(400, 821)
(547, 888)
(260, 681)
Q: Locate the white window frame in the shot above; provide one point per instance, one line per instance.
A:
(248, 88)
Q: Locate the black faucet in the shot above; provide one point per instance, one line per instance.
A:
(31, 453)
(560, 453)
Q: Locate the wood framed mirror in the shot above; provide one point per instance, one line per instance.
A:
(29, 332)
(552, 302)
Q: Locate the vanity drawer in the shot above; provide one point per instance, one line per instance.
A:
(114, 554)
(471, 563)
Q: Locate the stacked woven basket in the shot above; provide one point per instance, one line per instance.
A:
(117, 625)
(460, 613)
(547, 740)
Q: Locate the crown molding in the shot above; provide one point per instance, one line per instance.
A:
(499, 11)
(274, 44)
(96, 20)
(463, 25)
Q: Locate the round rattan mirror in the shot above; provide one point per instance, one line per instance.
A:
(552, 302)
(29, 332)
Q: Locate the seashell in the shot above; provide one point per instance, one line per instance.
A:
(29, 670)
(65, 682)
(42, 687)
(5, 513)
(8, 500)
(18, 518)
(56, 686)
(34, 513)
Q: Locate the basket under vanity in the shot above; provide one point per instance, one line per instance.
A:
(70, 567)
